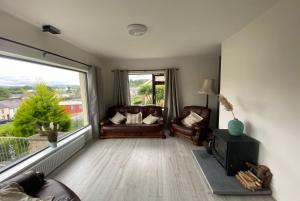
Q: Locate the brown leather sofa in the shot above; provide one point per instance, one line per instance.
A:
(198, 131)
(36, 185)
(110, 130)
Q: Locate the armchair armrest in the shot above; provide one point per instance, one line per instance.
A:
(200, 132)
(199, 125)
(161, 121)
(104, 122)
(176, 120)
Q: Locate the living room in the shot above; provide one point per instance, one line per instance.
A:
(189, 53)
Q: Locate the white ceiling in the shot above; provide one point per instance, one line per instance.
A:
(176, 27)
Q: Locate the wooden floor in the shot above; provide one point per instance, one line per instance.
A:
(139, 170)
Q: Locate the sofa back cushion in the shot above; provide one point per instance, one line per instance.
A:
(134, 118)
(145, 110)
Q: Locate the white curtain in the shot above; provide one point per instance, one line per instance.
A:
(121, 93)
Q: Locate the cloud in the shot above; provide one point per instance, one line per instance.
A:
(20, 73)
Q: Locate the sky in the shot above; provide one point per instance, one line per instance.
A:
(140, 76)
(20, 73)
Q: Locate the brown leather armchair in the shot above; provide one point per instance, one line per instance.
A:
(198, 131)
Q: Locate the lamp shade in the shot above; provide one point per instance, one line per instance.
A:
(207, 87)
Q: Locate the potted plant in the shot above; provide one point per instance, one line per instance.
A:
(51, 133)
(235, 127)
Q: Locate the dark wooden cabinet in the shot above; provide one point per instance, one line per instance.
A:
(233, 152)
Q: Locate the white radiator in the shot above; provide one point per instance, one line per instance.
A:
(53, 161)
(49, 159)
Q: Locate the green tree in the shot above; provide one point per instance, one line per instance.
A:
(160, 94)
(6, 130)
(18, 90)
(4, 93)
(145, 92)
(38, 111)
(136, 100)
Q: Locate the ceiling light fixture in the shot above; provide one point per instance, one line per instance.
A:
(137, 29)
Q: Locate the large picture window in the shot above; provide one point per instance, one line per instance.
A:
(147, 89)
(33, 95)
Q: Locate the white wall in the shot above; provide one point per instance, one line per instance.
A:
(18, 30)
(261, 76)
(192, 71)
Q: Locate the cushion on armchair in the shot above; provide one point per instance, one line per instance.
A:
(191, 119)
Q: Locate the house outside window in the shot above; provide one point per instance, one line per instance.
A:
(147, 88)
(21, 137)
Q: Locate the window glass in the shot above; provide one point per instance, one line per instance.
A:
(147, 89)
(160, 78)
(159, 94)
(32, 97)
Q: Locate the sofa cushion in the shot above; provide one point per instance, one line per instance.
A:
(146, 110)
(15, 192)
(134, 118)
(118, 118)
(150, 119)
(191, 119)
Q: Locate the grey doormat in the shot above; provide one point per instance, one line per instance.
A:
(217, 179)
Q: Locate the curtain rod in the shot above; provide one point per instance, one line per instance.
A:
(143, 70)
(44, 51)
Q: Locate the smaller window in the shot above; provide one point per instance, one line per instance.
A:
(147, 89)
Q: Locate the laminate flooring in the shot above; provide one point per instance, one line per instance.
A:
(140, 169)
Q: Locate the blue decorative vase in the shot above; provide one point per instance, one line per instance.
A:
(235, 127)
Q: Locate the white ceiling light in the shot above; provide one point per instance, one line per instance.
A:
(137, 29)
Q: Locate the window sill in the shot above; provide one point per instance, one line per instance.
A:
(31, 161)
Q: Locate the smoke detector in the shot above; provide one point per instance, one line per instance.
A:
(137, 29)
